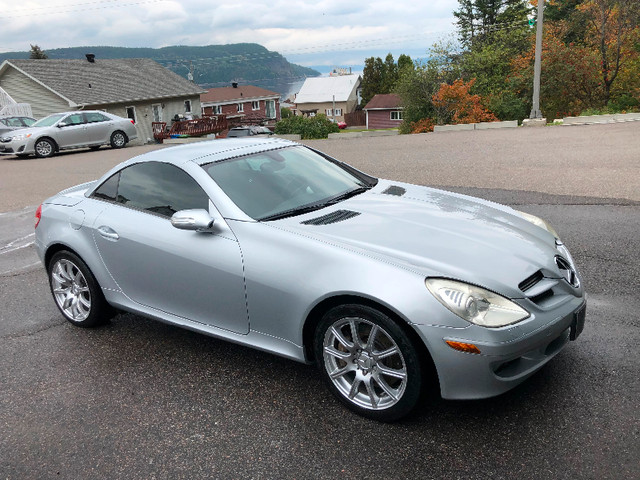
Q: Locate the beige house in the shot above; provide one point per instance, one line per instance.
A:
(333, 96)
(137, 88)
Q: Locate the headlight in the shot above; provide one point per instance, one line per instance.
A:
(539, 222)
(475, 304)
(21, 137)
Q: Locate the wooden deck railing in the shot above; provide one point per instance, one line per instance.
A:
(193, 128)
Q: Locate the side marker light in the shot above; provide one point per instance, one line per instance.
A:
(463, 347)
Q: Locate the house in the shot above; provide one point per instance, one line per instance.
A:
(244, 104)
(384, 111)
(333, 96)
(138, 88)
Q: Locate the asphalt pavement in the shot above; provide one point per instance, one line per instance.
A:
(140, 399)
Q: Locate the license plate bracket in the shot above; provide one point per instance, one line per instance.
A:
(577, 325)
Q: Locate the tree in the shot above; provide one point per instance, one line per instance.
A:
(613, 25)
(372, 79)
(454, 104)
(416, 88)
(37, 53)
(479, 20)
(570, 82)
(380, 77)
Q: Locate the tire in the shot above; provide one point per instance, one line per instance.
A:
(76, 291)
(118, 139)
(379, 375)
(44, 148)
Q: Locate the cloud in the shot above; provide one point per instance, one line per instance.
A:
(308, 31)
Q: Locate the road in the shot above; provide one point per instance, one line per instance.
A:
(140, 399)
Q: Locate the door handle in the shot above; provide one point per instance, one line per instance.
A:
(108, 233)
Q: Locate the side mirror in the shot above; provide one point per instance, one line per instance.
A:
(197, 220)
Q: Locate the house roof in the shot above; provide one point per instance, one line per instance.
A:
(388, 101)
(323, 89)
(232, 95)
(105, 81)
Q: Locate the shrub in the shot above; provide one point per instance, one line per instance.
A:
(422, 126)
(307, 127)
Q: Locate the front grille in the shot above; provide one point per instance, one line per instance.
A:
(531, 281)
(567, 271)
(333, 217)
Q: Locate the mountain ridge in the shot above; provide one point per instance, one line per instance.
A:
(211, 65)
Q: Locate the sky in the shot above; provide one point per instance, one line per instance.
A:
(320, 34)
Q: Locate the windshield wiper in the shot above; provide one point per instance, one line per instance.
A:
(315, 206)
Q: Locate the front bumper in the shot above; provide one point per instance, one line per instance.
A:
(508, 355)
(16, 146)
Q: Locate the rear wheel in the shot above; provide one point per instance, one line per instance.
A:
(118, 139)
(368, 362)
(44, 148)
(76, 291)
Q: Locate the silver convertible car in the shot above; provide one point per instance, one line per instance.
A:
(61, 131)
(386, 286)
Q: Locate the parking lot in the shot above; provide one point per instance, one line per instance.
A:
(140, 399)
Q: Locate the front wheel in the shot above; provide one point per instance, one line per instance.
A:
(118, 139)
(76, 291)
(368, 362)
(44, 148)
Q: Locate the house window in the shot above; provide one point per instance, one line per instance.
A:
(240, 107)
(328, 112)
(187, 106)
(396, 115)
(270, 109)
(157, 112)
(217, 109)
(255, 105)
(338, 112)
(131, 113)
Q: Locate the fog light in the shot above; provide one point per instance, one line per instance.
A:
(463, 347)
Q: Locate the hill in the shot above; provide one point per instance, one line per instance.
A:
(212, 65)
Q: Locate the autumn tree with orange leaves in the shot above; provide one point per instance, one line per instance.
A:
(455, 104)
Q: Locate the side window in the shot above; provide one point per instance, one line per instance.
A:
(74, 119)
(158, 188)
(94, 117)
(109, 189)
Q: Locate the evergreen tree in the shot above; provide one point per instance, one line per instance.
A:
(37, 53)
(479, 20)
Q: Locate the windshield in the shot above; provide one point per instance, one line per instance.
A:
(285, 182)
(48, 121)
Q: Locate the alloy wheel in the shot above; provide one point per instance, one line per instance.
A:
(71, 291)
(364, 363)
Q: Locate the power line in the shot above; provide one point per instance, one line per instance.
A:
(106, 7)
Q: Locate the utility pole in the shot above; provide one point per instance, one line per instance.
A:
(535, 110)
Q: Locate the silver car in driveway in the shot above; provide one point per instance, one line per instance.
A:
(61, 131)
(268, 243)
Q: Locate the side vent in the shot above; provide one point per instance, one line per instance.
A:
(395, 190)
(529, 282)
(333, 217)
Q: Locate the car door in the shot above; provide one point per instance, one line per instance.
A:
(71, 131)
(99, 128)
(194, 275)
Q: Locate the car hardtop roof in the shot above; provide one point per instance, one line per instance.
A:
(213, 150)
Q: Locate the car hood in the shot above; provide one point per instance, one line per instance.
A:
(23, 131)
(436, 233)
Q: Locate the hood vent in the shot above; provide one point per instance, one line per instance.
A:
(333, 217)
(531, 281)
(395, 190)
